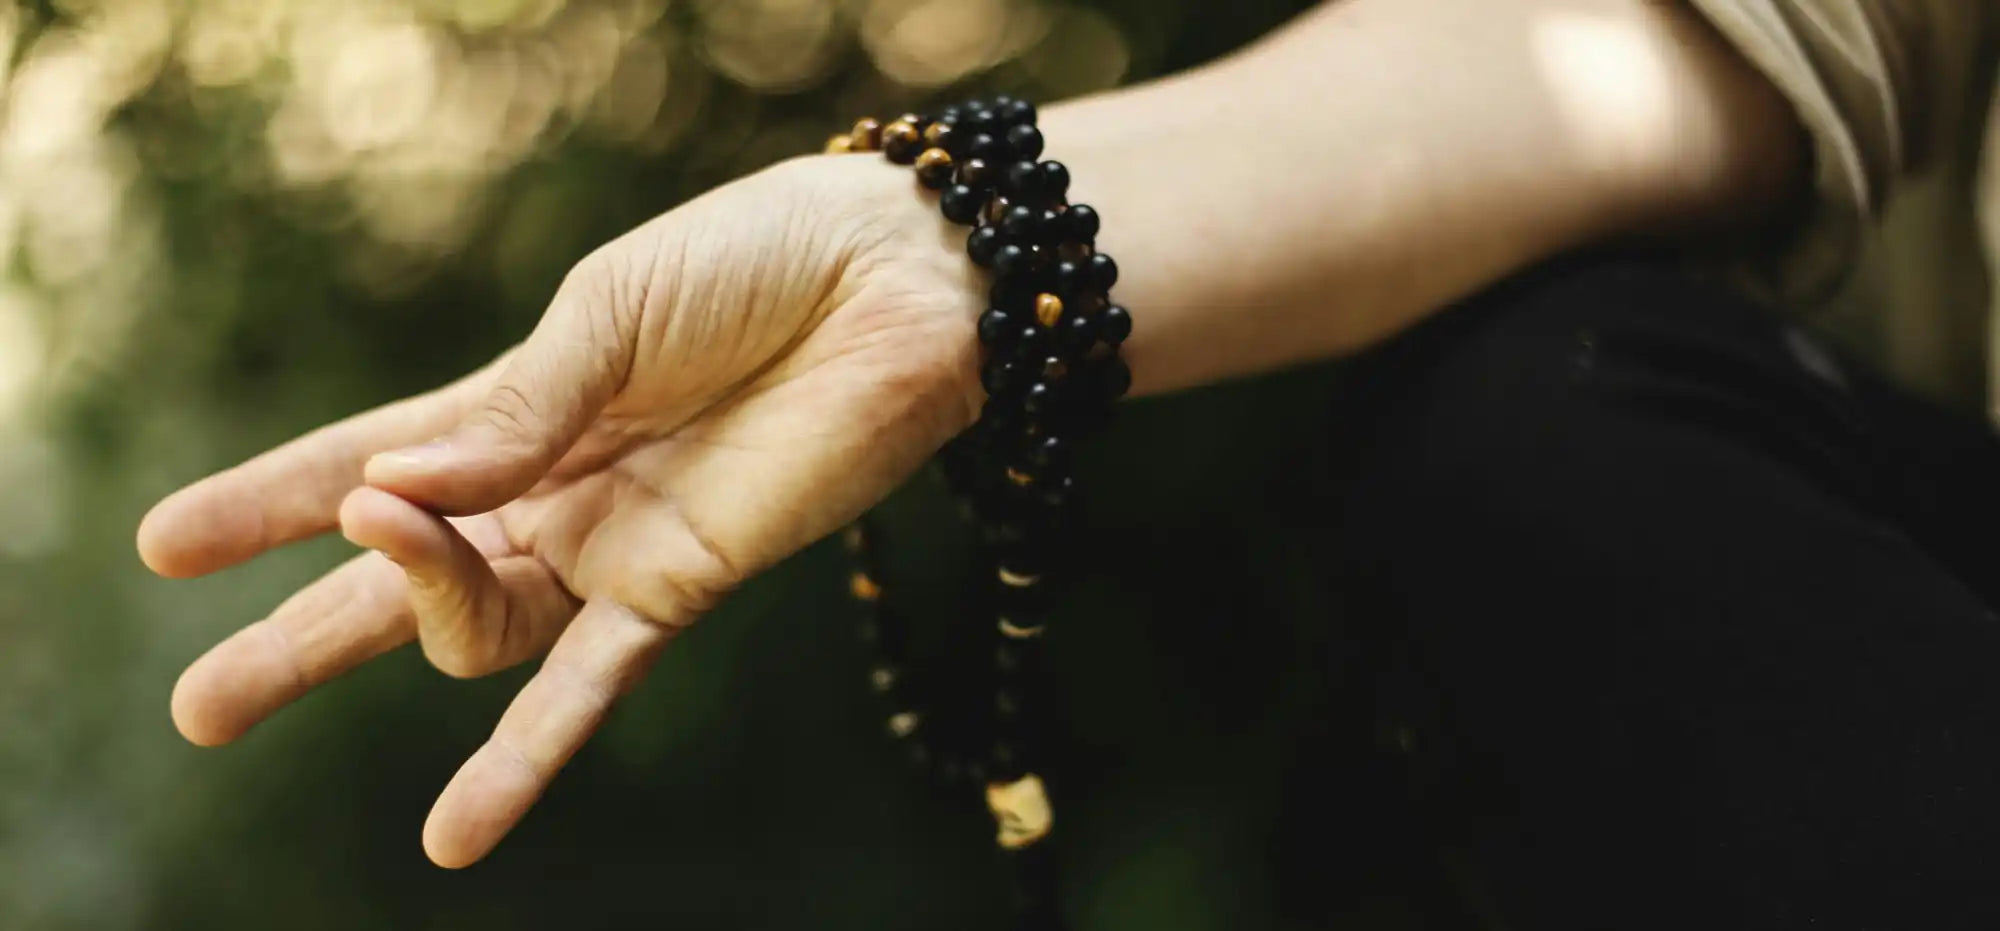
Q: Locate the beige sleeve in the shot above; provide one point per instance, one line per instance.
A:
(1883, 88)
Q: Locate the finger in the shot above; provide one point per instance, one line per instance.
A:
(601, 656)
(354, 614)
(549, 392)
(291, 492)
(473, 616)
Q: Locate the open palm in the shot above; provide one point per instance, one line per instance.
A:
(705, 396)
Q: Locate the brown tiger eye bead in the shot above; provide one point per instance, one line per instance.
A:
(901, 142)
(864, 588)
(975, 172)
(1019, 477)
(997, 208)
(1073, 251)
(938, 135)
(934, 168)
(866, 134)
(840, 145)
(1048, 310)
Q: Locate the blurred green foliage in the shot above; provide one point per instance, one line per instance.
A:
(227, 221)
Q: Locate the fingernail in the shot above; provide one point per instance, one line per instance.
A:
(412, 457)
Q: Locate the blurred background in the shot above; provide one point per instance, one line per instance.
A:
(223, 222)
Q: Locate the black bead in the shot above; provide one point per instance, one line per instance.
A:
(1000, 103)
(1011, 259)
(1115, 378)
(976, 172)
(1025, 140)
(875, 633)
(1051, 453)
(1082, 222)
(1032, 888)
(1009, 705)
(1041, 398)
(981, 120)
(1073, 279)
(995, 325)
(961, 204)
(1055, 180)
(1017, 658)
(951, 114)
(1077, 333)
(1058, 492)
(999, 414)
(1022, 560)
(1030, 342)
(1001, 377)
(1018, 113)
(1021, 224)
(950, 771)
(1005, 532)
(987, 147)
(1021, 182)
(1003, 761)
(1020, 660)
(982, 244)
(1048, 227)
(1114, 324)
(1016, 294)
(1103, 271)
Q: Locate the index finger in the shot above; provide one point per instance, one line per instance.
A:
(292, 492)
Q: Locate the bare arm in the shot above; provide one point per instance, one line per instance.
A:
(1379, 158)
(738, 377)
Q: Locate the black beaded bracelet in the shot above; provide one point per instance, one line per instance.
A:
(1051, 369)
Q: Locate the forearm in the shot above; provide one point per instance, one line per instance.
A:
(1380, 158)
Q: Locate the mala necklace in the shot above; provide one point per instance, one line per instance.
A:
(1051, 370)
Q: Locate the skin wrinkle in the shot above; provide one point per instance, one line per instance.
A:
(281, 641)
(513, 755)
(518, 619)
(568, 675)
(696, 599)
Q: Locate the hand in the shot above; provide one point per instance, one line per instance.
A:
(705, 396)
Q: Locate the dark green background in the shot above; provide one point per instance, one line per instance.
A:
(745, 784)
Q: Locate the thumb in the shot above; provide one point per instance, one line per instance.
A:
(541, 400)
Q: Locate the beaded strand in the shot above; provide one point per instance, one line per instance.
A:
(1051, 370)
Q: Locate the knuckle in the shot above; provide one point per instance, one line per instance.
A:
(612, 285)
(452, 633)
(511, 412)
(608, 296)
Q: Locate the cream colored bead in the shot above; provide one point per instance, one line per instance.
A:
(1021, 809)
